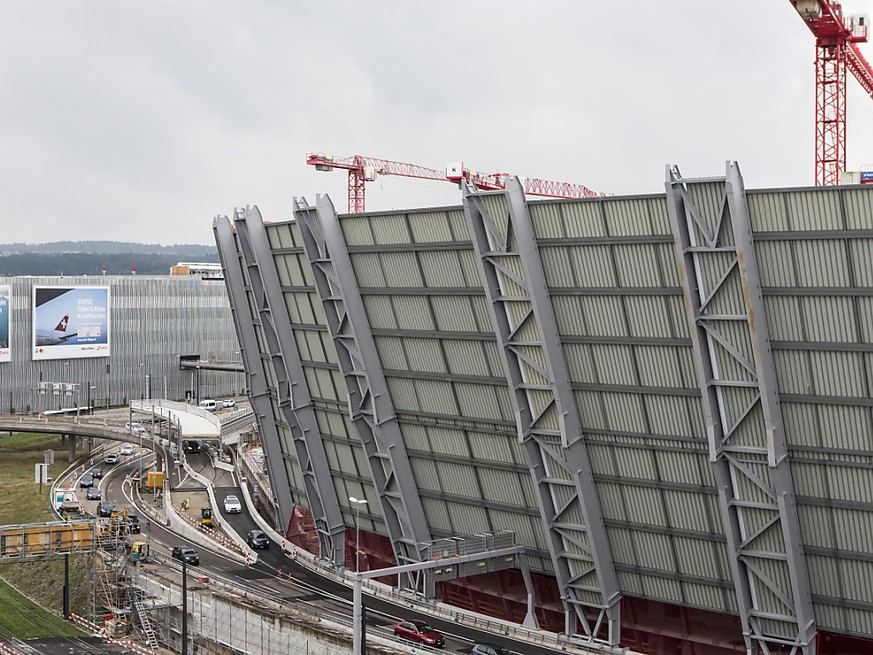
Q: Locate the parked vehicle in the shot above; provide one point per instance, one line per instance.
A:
(419, 632)
(257, 539)
(232, 505)
(489, 649)
(87, 480)
(185, 554)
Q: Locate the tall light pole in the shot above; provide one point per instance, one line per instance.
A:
(357, 622)
(358, 503)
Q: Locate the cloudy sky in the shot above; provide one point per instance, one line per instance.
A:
(142, 121)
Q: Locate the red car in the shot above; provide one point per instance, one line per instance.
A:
(419, 632)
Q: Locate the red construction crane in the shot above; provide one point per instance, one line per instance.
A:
(365, 169)
(836, 50)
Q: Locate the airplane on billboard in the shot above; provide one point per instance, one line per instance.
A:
(56, 336)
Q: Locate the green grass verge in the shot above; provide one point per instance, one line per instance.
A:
(40, 579)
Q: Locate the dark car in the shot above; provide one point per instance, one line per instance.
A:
(191, 446)
(489, 649)
(133, 525)
(87, 480)
(96, 472)
(257, 539)
(93, 493)
(186, 554)
(419, 632)
(104, 508)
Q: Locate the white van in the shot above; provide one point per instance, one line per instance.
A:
(209, 405)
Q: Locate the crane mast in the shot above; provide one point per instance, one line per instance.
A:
(363, 169)
(836, 39)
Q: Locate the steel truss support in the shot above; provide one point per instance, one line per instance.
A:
(369, 400)
(293, 397)
(548, 422)
(830, 113)
(256, 376)
(718, 271)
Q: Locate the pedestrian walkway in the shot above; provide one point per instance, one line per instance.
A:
(193, 422)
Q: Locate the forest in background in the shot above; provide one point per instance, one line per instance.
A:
(91, 257)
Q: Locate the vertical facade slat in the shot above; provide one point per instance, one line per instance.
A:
(549, 427)
(233, 263)
(294, 401)
(719, 276)
(369, 399)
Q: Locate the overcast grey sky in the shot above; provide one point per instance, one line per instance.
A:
(141, 121)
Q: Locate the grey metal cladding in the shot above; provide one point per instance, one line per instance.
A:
(549, 427)
(294, 403)
(234, 263)
(369, 398)
(737, 375)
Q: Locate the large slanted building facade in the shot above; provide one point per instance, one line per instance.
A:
(666, 398)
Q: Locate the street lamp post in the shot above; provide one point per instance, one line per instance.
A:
(357, 623)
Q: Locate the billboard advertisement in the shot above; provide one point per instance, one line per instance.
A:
(70, 322)
(5, 321)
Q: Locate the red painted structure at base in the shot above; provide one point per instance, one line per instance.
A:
(648, 626)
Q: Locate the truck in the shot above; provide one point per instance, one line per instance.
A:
(66, 501)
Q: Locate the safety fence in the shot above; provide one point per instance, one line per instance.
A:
(98, 631)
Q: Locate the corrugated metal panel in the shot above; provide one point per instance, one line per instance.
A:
(380, 312)
(783, 318)
(502, 486)
(824, 576)
(801, 427)
(611, 501)
(858, 204)
(437, 515)
(593, 265)
(480, 311)
(630, 583)
(635, 463)
(403, 394)
(425, 473)
(656, 316)
(792, 371)
(829, 319)
(470, 267)
(424, 355)
(569, 315)
(665, 366)
(638, 265)
(401, 269)
(767, 212)
(862, 260)
(775, 263)
(583, 219)
(458, 479)
(682, 468)
(700, 558)
(429, 227)
(644, 506)
(600, 456)
(627, 216)
(368, 270)
(448, 441)
(355, 231)
(707, 597)
(415, 437)
(815, 210)
(590, 410)
(454, 314)
(654, 551)
(624, 412)
(859, 621)
(689, 510)
(614, 364)
(670, 415)
(829, 256)
(838, 374)
(442, 268)
(663, 588)
(622, 542)
(389, 228)
(468, 519)
(481, 401)
(496, 447)
(412, 312)
(858, 579)
(557, 266)
(436, 397)
(850, 483)
(528, 529)
(547, 219)
(604, 316)
(466, 357)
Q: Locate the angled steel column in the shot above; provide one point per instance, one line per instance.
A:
(369, 400)
(718, 270)
(548, 422)
(293, 396)
(256, 378)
